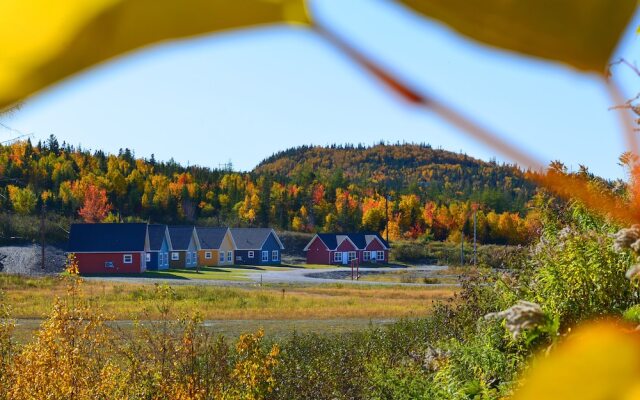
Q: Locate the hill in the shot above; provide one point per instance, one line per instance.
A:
(436, 174)
(420, 191)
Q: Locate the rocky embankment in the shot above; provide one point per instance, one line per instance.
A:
(27, 260)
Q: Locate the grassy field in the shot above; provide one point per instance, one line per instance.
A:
(33, 297)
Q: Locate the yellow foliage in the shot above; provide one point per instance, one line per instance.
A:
(43, 42)
(598, 362)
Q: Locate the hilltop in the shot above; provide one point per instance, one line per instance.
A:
(439, 175)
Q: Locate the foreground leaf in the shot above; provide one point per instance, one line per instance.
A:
(581, 33)
(43, 42)
(598, 362)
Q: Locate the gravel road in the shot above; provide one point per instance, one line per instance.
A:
(289, 276)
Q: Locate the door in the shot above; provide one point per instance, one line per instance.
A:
(345, 257)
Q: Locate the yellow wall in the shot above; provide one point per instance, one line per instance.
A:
(226, 246)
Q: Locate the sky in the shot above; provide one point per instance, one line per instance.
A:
(242, 96)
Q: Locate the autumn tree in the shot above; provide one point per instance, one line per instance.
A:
(96, 206)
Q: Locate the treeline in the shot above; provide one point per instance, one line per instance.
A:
(424, 193)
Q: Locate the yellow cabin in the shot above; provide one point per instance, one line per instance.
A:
(216, 247)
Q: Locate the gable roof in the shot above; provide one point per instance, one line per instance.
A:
(181, 237)
(157, 234)
(211, 238)
(252, 238)
(360, 240)
(95, 238)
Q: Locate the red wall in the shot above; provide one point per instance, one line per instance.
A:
(93, 263)
(346, 246)
(318, 253)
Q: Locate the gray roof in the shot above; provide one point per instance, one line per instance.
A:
(252, 238)
(95, 238)
(180, 237)
(210, 238)
(157, 234)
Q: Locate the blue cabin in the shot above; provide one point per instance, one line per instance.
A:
(256, 246)
(159, 245)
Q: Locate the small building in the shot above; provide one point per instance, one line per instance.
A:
(109, 248)
(256, 246)
(216, 246)
(342, 248)
(184, 247)
(159, 244)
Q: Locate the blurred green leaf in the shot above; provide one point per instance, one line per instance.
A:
(581, 33)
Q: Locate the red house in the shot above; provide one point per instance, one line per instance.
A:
(109, 248)
(342, 248)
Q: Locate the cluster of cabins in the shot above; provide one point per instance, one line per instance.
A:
(137, 247)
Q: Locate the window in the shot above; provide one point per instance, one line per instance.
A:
(230, 256)
(194, 258)
(166, 258)
(366, 255)
(352, 255)
(175, 256)
(265, 256)
(250, 254)
(221, 258)
(238, 258)
(188, 258)
(337, 256)
(148, 257)
(127, 259)
(274, 255)
(207, 255)
(108, 264)
(380, 255)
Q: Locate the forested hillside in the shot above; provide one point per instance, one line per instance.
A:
(430, 192)
(437, 175)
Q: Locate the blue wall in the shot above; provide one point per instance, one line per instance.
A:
(154, 264)
(270, 245)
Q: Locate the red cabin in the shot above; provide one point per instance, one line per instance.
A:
(342, 248)
(109, 248)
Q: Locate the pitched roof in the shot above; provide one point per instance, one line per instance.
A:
(157, 234)
(211, 238)
(252, 238)
(361, 240)
(93, 238)
(180, 237)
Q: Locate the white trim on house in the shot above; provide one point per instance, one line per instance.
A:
(126, 257)
(251, 254)
(221, 256)
(275, 256)
(230, 256)
(337, 256)
(265, 256)
(175, 256)
(207, 255)
(306, 248)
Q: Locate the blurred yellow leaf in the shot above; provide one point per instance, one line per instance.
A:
(597, 362)
(42, 41)
(581, 33)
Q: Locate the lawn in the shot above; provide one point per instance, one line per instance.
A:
(225, 273)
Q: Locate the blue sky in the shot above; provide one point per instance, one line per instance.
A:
(244, 95)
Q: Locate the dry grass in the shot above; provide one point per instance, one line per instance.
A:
(33, 297)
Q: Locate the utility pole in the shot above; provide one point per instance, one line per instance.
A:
(42, 242)
(475, 237)
(386, 211)
(462, 247)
